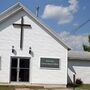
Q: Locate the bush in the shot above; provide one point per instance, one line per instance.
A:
(79, 81)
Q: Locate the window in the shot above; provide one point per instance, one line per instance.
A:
(20, 69)
(49, 63)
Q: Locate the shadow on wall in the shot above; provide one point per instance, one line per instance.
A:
(69, 79)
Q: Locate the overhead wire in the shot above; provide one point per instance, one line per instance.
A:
(76, 29)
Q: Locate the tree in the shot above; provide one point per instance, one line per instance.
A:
(87, 47)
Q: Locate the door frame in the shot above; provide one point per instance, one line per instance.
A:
(10, 68)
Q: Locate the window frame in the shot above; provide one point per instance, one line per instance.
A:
(50, 68)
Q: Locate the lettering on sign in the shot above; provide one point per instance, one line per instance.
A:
(49, 63)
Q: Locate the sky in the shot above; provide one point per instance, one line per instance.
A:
(63, 16)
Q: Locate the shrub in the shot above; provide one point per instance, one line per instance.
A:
(79, 81)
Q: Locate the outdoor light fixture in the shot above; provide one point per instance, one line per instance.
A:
(13, 50)
(30, 50)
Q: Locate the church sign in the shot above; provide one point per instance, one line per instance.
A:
(49, 63)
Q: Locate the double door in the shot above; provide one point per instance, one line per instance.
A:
(20, 68)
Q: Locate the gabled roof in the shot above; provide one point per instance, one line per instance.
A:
(78, 55)
(17, 7)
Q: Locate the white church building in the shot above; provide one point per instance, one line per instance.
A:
(33, 54)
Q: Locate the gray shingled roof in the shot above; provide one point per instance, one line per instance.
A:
(78, 55)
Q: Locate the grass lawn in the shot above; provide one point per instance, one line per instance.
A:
(83, 87)
(7, 88)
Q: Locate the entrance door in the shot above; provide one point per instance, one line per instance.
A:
(20, 69)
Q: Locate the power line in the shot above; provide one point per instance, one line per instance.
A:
(73, 31)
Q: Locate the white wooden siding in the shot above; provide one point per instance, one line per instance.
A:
(42, 44)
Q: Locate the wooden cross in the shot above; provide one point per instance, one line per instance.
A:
(22, 25)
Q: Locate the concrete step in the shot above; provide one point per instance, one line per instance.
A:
(42, 89)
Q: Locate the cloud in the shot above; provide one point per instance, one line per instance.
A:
(73, 5)
(75, 42)
(60, 13)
